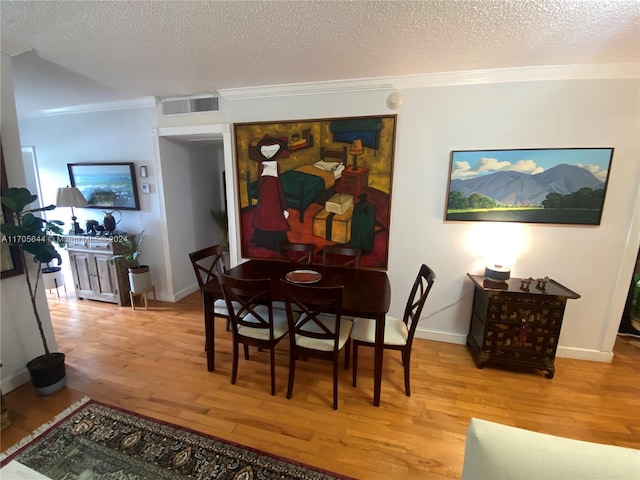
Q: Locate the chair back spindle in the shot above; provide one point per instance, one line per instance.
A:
(296, 252)
(316, 327)
(338, 255)
(399, 332)
(254, 320)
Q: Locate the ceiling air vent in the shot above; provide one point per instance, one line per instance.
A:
(170, 107)
(204, 103)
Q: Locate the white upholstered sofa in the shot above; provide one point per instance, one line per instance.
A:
(494, 452)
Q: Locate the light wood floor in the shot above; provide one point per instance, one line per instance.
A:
(153, 362)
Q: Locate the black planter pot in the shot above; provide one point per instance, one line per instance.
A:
(48, 374)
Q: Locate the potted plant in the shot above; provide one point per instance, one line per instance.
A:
(52, 277)
(222, 220)
(139, 275)
(33, 235)
(50, 269)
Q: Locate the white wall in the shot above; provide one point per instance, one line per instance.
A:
(108, 136)
(432, 122)
(205, 195)
(193, 170)
(20, 340)
(527, 115)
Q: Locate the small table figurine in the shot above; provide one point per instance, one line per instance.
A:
(525, 283)
(541, 283)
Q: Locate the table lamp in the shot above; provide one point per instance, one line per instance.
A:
(497, 273)
(71, 197)
(356, 149)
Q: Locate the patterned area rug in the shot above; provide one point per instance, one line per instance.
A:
(94, 441)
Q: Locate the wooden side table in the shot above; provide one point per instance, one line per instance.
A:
(515, 326)
(94, 276)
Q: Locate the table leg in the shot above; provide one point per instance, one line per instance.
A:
(209, 329)
(379, 350)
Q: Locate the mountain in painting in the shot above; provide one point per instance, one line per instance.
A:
(515, 188)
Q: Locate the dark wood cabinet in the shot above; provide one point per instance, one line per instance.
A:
(94, 276)
(516, 326)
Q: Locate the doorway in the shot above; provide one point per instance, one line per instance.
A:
(58, 282)
(630, 324)
(32, 174)
(190, 163)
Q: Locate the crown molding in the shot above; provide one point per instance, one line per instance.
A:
(141, 102)
(390, 83)
(465, 77)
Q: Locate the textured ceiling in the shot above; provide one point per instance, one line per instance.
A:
(94, 51)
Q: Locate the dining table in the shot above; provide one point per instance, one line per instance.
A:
(366, 294)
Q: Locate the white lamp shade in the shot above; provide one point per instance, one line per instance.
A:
(70, 197)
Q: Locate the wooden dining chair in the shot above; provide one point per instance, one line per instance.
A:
(207, 262)
(254, 321)
(338, 255)
(319, 330)
(398, 332)
(296, 252)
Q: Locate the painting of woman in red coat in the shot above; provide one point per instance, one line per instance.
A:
(270, 216)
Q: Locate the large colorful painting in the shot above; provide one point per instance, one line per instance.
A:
(323, 181)
(551, 185)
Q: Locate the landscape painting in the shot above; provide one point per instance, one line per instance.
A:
(549, 185)
(106, 185)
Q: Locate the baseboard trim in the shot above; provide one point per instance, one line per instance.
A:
(439, 336)
(185, 292)
(584, 354)
(16, 380)
(562, 352)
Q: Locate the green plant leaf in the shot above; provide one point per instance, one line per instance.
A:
(28, 220)
(19, 198)
(9, 230)
(134, 246)
(8, 202)
(42, 209)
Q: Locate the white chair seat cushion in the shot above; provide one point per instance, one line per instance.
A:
(277, 304)
(280, 325)
(324, 344)
(220, 307)
(395, 331)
